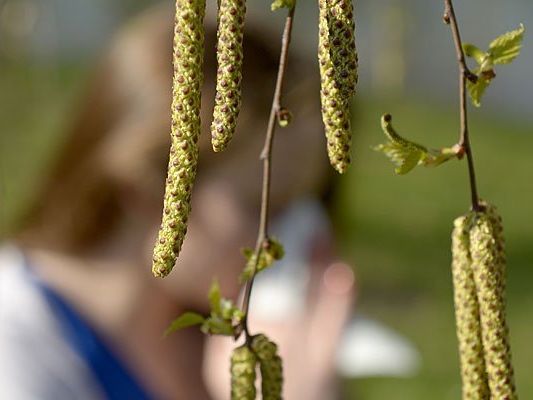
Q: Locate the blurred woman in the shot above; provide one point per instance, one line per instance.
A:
(81, 317)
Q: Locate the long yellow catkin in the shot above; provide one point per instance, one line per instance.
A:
(187, 82)
(338, 75)
(488, 265)
(229, 73)
(243, 364)
(473, 372)
(271, 367)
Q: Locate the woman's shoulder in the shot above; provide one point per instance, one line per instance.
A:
(36, 361)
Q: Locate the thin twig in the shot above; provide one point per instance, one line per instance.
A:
(266, 157)
(464, 74)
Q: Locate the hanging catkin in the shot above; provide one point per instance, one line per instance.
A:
(488, 265)
(338, 75)
(243, 364)
(473, 372)
(271, 367)
(187, 82)
(229, 72)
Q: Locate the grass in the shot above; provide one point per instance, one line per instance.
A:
(396, 230)
(34, 110)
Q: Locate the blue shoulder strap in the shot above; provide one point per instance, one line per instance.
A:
(114, 378)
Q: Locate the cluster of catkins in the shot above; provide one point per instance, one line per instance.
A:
(244, 362)
(478, 267)
(186, 103)
(338, 68)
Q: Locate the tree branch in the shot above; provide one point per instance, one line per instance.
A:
(464, 74)
(266, 157)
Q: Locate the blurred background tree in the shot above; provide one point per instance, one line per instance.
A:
(395, 230)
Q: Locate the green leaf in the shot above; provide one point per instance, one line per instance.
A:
(403, 157)
(250, 267)
(185, 320)
(406, 155)
(223, 320)
(215, 325)
(271, 251)
(502, 50)
(277, 4)
(226, 309)
(247, 253)
(215, 297)
(275, 249)
(506, 48)
(402, 152)
(409, 162)
(230, 311)
(474, 52)
(476, 90)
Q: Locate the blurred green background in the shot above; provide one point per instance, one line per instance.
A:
(394, 229)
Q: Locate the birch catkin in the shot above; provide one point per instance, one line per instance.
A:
(271, 367)
(473, 372)
(243, 364)
(338, 75)
(229, 73)
(488, 265)
(187, 82)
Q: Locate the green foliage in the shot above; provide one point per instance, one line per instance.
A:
(474, 52)
(406, 154)
(404, 157)
(185, 320)
(477, 89)
(505, 48)
(223, 319)
(502, 50)
(215, 297)
(271, 251)
(277, 4)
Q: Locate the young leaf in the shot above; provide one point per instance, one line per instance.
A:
(252, 266)
(230, 312)
(477, 89)
(474, 52)
(247, 253)
(215, 297)
(184, 321)
(403, 153)
(502, 50)
(223, 320)
(277, 4)
(271, 251)
(506, 47)
(216, 325)
(406, 155)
